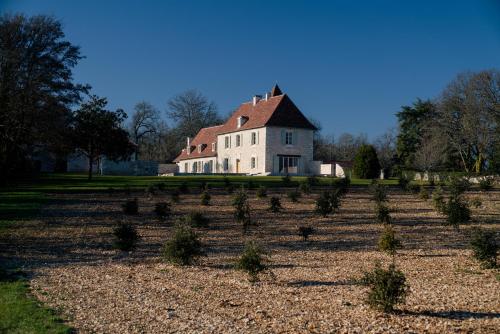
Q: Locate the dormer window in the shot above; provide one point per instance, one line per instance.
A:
(241, 120)
(200, 147)
(213, 147)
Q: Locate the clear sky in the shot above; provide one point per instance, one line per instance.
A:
(348, 64)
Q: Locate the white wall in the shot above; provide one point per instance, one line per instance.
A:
(244, 152)
(190, 163)
(302, 146)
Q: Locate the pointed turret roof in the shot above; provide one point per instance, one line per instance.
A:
(276, 91)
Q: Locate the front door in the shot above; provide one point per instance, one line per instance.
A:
(237, 165)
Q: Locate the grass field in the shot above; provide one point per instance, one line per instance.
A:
(19, 311)
(69, 182)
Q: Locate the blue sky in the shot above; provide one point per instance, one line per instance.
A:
(348, 64)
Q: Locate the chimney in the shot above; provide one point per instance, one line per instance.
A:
(188, 147)
(267, 96)
(256, 99)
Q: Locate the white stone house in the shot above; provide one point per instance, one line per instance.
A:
(266, 136)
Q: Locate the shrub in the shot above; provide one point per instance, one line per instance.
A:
(388, 242)
(458, 185)
(293, 195)
(343, 185)
(228, 185)
(195, 219)
(151, 189)
(413, 188)
(379, 192)
(476, 202)
(205, 198)
(383, 214)
(183, 247)
(287, 180)
(204, 185)
(366, 164)
(305, 231)
(126, 237)
(252, 261)
(305, 187)
(312, 181)
(162, 209)
(486, 184)
(275, 204)
(183, 188)
(250, 185)
(457, 212)
(424, 193)
(438, 200)
(161, 186)
(485, 247)
(131, 207)
(323, 205)
(387, 287)
(262, 192)
(241, 208)
(403, 182)
(175, 196)
(328, 202)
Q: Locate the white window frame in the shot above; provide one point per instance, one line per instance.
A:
(238, 140)
(213, 147)
(253, 162)
(227, 141)
(200, 146)
(253, 139)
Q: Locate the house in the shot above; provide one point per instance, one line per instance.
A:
(266, 136)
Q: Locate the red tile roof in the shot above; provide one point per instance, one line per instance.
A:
(205, 137)
(276, 111)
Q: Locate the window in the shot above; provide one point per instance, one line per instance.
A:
(200, 167)
(210, 166)
(225, 164)
(213, 147)
(193, 167)
(186, 167)
(199, 148)
(254, 138)
(238, 140)
(289, 138)
(253, 163)
(227, 142)
(288, 164)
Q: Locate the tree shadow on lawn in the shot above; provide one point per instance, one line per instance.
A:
(313, 283)
(452, 315)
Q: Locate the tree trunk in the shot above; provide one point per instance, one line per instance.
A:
(91, 165)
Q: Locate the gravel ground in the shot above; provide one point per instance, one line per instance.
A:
(310, 288)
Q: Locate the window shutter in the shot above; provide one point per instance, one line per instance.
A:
(241, 139)
(295, 137)
(276, 165)
(283, 134)
(257, 137)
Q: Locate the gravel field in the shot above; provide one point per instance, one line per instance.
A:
(311, 286)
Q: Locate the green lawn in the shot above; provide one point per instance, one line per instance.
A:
(69, 182)
(19, 311)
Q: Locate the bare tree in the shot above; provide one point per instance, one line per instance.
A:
(431, 151)
(144, 122)
(469, 110)
(192, 111)
(385, 145)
